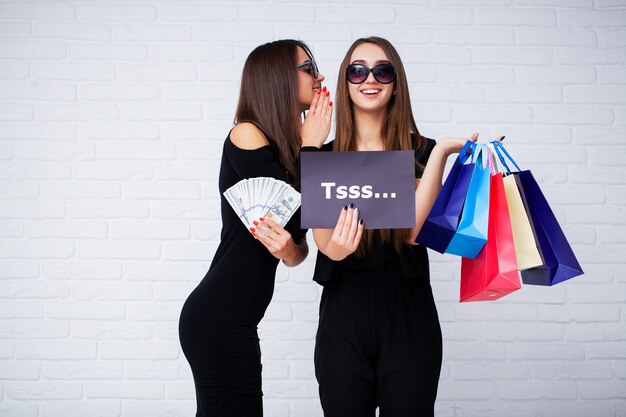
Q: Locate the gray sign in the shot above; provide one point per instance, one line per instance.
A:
(381, 184)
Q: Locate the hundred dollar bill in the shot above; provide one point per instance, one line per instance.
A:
(284, 206)
(258, 197)
(236, 202)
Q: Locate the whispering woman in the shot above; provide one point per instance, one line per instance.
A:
(218, 322)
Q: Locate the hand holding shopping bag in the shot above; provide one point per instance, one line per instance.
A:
(443, 218)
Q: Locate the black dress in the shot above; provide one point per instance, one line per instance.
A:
(218, 322)
(378, 342)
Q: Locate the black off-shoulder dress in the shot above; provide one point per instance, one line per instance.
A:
(218, 322)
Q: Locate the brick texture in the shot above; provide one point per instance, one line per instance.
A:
(112, 117)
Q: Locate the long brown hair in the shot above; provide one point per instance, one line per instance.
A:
(398, 132)
(268, 97)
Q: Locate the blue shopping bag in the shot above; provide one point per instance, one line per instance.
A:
(559, 261)
(471, 234)
(443, 218)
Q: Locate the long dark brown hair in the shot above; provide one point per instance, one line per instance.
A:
(398, 132)
(268, 97)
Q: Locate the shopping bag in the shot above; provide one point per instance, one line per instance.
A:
(558, 260)
(493, 273)
(471, 234)
(443, 218)
(526, 251)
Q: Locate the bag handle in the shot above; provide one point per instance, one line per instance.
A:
(498, 167)
(499, 146)
(464, 154)
(470, 157)
(486, 159)
(477, 154)
(482, 157)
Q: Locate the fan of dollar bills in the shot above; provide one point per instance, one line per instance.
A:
(254, 198)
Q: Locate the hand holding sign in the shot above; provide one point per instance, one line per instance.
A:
(380, 183)
(346, 236)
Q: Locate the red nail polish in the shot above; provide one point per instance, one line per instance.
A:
(262, 219)
(252, 229)
(327, 93)
(255, 222)
(324, 89)
(319, 91)
(330, 104)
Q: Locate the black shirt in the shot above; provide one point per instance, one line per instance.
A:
(411, 261)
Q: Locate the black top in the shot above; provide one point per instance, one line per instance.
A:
(411, 261)
(240, 282)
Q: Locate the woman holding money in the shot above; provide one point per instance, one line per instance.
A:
(379, 341)
(218, 323)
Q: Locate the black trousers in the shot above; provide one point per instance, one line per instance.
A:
(378, 345)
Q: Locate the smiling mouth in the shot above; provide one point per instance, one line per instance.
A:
(371, 91)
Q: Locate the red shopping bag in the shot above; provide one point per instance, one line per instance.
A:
(493, 273)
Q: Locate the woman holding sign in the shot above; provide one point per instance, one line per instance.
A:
(379, 341)
(218, 323)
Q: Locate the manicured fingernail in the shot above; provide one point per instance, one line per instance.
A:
(262, 219)
(345, 207)
(255, 222)
(319, 91)
(252, 230)
(330, 104)
(324, 89)
(327, 93)
(361, 221)
(351, 205)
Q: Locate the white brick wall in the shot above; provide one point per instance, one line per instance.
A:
(112, 117)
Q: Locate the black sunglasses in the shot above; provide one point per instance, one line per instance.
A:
(383, 73)
(314, 71)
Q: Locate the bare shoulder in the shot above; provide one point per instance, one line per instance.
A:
(247, 136)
